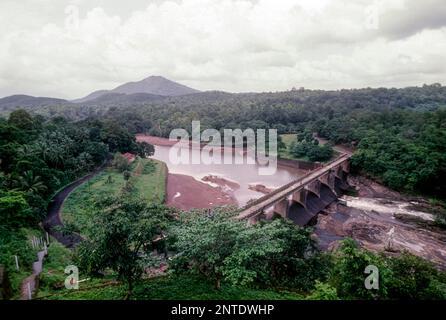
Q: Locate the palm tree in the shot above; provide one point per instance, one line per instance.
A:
(28, 182)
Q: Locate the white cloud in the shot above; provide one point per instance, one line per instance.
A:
(229, 45)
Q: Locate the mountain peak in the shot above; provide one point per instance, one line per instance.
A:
(155, 78)
(154, 85)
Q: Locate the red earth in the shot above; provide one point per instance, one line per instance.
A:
(185, 193)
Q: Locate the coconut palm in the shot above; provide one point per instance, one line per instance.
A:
(29, 182)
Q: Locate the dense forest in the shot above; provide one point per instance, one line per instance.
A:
(399, 134)
(399, 137)
(38, 157)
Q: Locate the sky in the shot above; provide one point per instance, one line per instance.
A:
(68, 49)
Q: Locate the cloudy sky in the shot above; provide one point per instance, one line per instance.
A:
(69, 48)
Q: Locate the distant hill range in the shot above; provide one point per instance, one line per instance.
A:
(25, 101)
(160, 92)
(154, 86)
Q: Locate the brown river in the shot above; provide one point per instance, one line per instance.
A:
(196, 186)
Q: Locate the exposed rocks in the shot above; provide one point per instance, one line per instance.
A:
(377, 213)
(222, 182)
(260, 188)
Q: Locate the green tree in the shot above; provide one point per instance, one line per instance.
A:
(118, 138)
(14, 210)
(29, 182)
(145, 149)
(348, 275)
(121, 237)
(219, 247)
(204, 243)
(413, 278)
(275, 253)
(21, 119)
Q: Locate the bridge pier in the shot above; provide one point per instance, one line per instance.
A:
(329, 180)
(281, 208)
(300, 196)
(346, 166)
(338, 172)
(315, 187)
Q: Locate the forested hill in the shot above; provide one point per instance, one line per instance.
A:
(400, 134)
(427, 97)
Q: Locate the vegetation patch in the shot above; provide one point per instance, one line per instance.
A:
(146, 181)
(303, 146)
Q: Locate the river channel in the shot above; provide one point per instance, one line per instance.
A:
(208, 185)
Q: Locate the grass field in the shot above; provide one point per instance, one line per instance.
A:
(148, 178)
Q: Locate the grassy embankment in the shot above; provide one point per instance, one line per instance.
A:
(26, 256)
(185, 287)
(148, 178)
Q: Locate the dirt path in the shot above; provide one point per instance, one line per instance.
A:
(139, 169)
(53, 219)
(29, 285)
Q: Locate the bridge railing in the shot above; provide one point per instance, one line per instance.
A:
(288, 185)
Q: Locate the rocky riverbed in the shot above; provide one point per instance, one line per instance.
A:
(382, 220)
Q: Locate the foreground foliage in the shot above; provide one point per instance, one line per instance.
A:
(276, 253)
(121, 236)
(37, 158)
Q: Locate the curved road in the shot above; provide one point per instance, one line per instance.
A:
(51, 222)
(53, 219)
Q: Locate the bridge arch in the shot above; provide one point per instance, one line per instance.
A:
(299, 214)
(327, 195)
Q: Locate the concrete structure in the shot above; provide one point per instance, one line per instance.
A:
(301, 200)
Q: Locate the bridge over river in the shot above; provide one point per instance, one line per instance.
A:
(301, 200)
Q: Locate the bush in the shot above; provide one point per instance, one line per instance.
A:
(413, 278)
(406, 277)
(348, 275)
(120, 162)
(149, 167)
(323, 291)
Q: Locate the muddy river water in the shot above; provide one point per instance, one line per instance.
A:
(190, 184)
